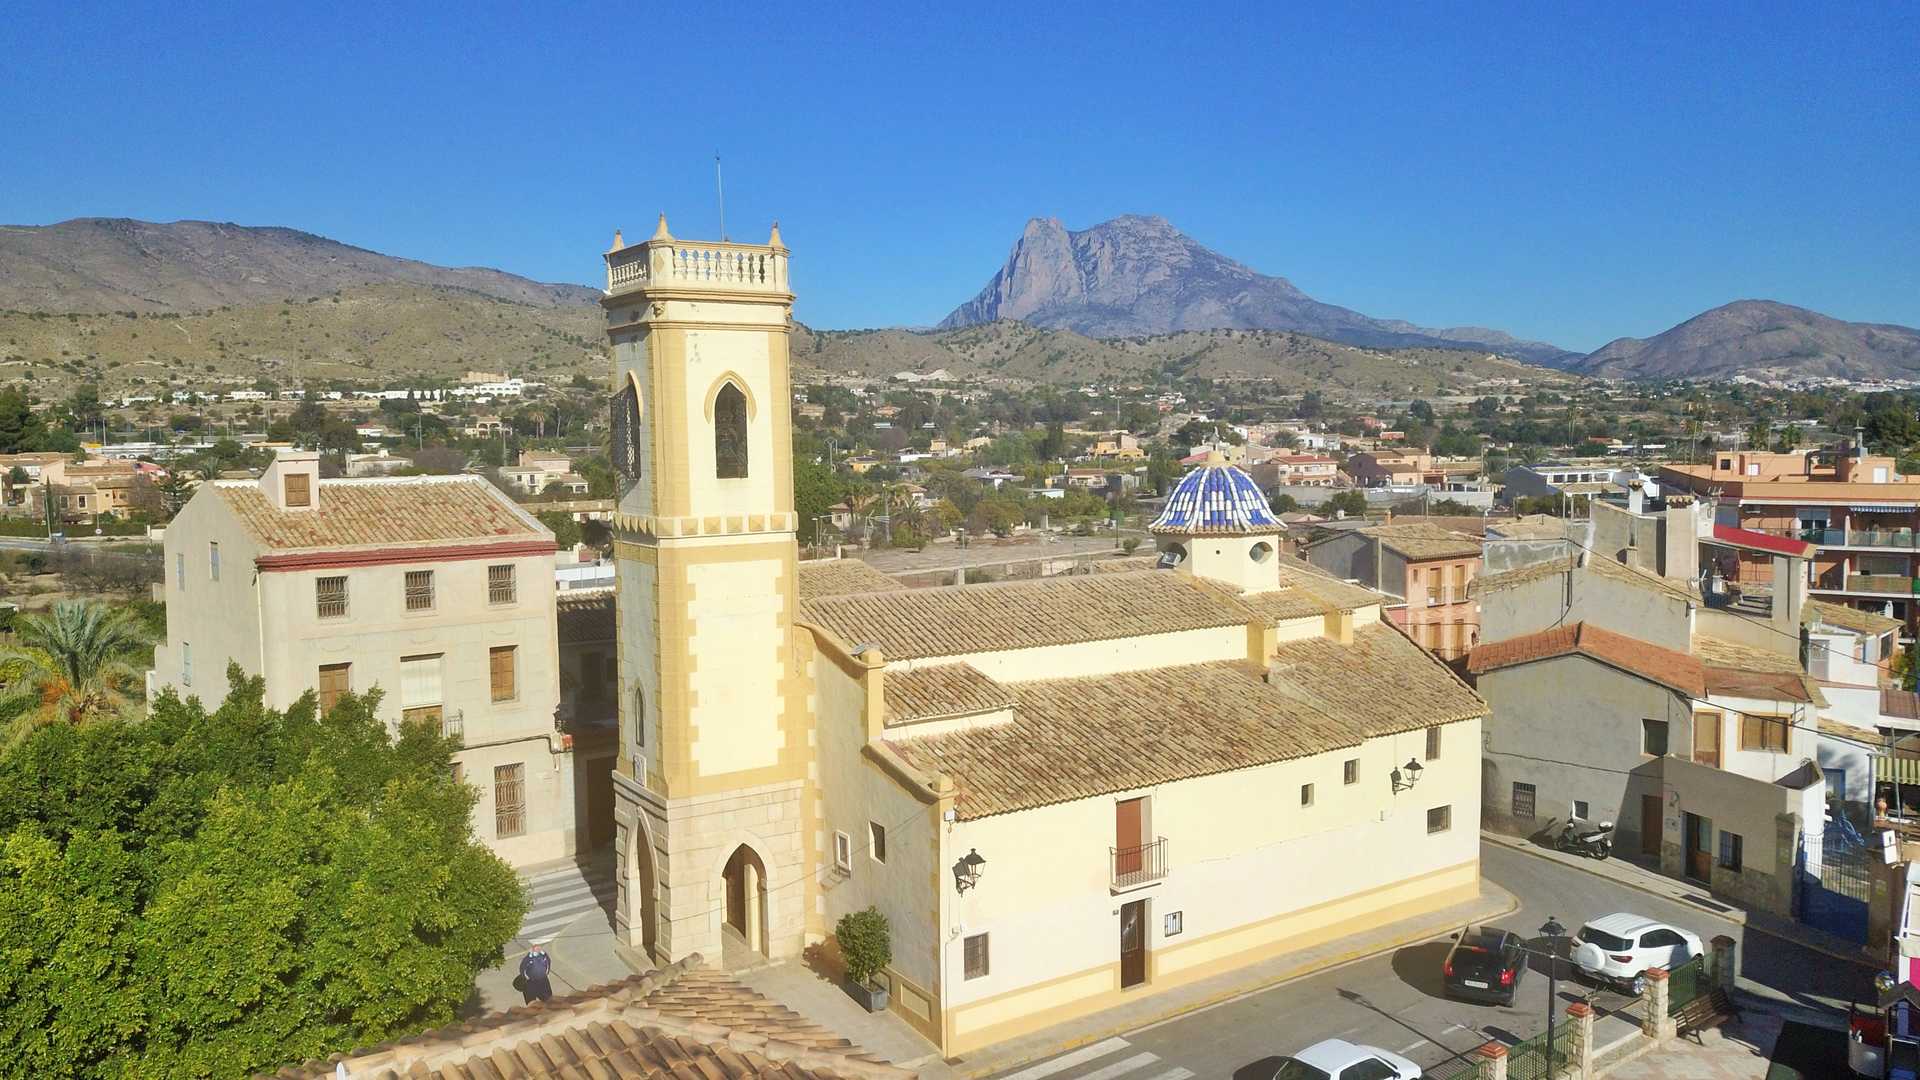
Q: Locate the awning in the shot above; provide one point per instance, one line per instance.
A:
(1881, 508)
(1892, 770)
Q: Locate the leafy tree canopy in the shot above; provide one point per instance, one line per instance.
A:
(213, 894)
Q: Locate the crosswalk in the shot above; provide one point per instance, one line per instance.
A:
(1133, 1066)
(558, 897)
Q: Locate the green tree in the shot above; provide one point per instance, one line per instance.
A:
(815, 489)
(1282, 503)
(566, 531)
(215, 894)
(68, 664)
(1352, 503)
(21, 430)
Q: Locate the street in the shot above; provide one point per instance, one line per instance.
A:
(1394, 1001)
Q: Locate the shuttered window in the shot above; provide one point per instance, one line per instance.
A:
(335, 682)
(509, 800)
(420, 682)
(419, 590)
(976, 956)
(330, 597)
(1763, 733)
(298, 488)
(500, 588)
(500, 672)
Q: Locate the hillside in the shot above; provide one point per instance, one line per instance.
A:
(117, 264)
(1018, 351)
(1136, 276)
(374, 333)
(1762, 339)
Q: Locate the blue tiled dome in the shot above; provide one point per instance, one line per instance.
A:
(1216, 498)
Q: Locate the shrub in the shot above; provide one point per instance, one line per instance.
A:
(866, 944)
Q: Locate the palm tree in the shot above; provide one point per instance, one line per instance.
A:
(67, 664)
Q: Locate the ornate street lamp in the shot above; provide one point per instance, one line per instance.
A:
(1407, 775)
(966, 872)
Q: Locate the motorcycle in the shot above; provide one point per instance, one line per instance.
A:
(1593, 839)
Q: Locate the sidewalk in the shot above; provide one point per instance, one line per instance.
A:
(883, 1034)
(1749, 1048)
(1493, 903)
(1633, 876)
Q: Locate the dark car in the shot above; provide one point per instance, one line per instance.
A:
(1485, 964)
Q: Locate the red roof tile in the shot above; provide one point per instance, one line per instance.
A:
(1674, 670)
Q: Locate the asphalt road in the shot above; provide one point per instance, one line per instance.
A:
(1394, 1001)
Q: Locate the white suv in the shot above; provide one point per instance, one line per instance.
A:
(1620, 948)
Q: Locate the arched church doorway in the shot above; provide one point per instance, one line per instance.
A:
(641, 879)
(745, 878)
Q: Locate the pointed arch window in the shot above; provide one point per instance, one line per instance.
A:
(730, 433)
(624, 417)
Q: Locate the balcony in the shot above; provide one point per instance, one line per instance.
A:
(1901, 539)
(1898, 584)
(1133, 867)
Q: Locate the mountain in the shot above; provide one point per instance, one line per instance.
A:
(118, 264)
(1137, 276)
(1762, 339)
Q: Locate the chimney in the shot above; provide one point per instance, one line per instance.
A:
(1789, 593)
(1859, 441)
(292, 481)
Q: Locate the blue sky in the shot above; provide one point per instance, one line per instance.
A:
(1570, 176)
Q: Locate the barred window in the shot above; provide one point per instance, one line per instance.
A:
(500, 584)
(419, 590)
(624, 420)
(330, 597)
(509, 800)
(730, 433)
(975, 948)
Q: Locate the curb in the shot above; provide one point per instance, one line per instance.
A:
(1743, 920)
(1498, 909)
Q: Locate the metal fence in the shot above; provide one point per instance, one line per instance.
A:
(1466, 1067)
(1529, 1060)
(1687, 983)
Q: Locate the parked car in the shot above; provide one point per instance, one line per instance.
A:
(1338, 1059)
(1620, 948)
(1485, 965)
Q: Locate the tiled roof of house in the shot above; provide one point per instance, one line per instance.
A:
(1738, 670)
(584, 615)
(956, 620)
(1077, 738)
(1081, 737)
(1846, 618)
(672, 1023)
(383, 512)
(1601, 567)
(1674, 670)
(1530, 527)
(939, 690)
(1423, 541)
(1123, 564)
(1381, 684)
(1307, 577)
(836, 577)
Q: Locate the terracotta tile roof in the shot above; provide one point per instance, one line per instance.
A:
(1530, 527)
(837, 577)
(1381, 684)
(584, 615)
(956, 620)
(1124, 564)
(1423, 541)
(1846, 618)
(1674, 670)
(1738, 670)
(383, 512)
(1081, 737)
(1077, 738)
(672, 1023)
(1344, 595)
(941, 690)
(1600, 567)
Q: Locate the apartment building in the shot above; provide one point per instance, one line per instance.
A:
(1854, 508)
(436, 590)
(1429, 569)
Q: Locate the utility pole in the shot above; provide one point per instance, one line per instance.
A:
(720, 190)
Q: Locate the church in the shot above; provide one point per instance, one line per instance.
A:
(1060, 791)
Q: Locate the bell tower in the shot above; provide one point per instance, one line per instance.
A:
(710, 785)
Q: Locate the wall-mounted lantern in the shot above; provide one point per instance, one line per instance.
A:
(966, 872)
(1406, 776)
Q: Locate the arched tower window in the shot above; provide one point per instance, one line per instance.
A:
(730, 433)
(624, 418)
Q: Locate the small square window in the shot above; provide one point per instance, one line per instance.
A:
(1580, 810)
(877, 841)
(500, 586)
(975, 947)
(297, 489)
(1525, 801)
(1306, 794)
(1439, 819)
(330, 597)
(1351, 771)
(1653, 737)
(1730, 850)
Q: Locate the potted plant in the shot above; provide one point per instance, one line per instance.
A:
(866, 946)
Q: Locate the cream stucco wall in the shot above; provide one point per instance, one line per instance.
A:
(1250, 870)
(1101, 657)
(737, 708)
(220, 620)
